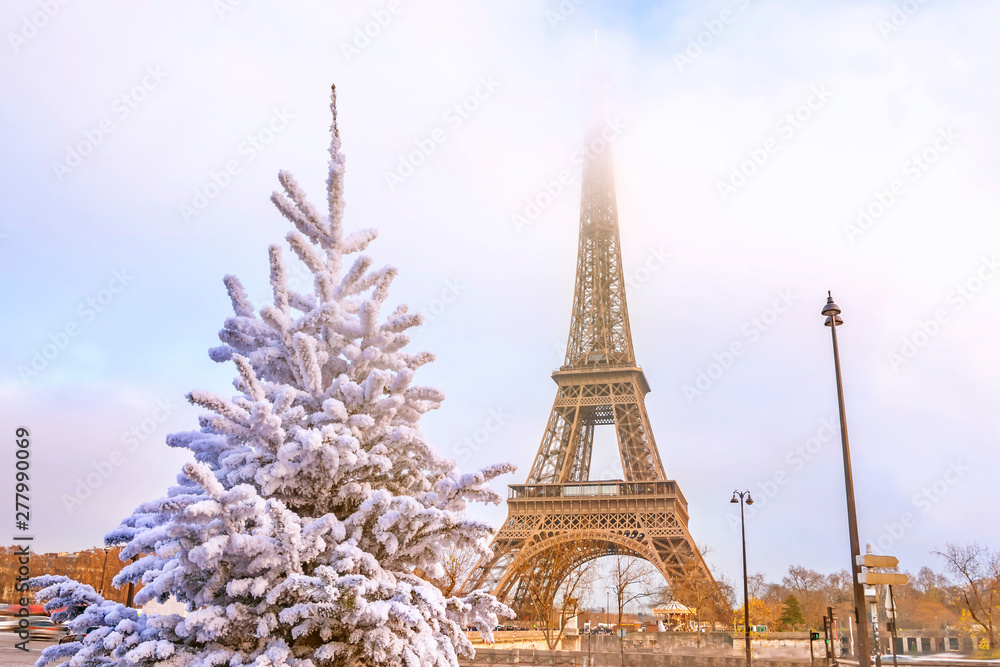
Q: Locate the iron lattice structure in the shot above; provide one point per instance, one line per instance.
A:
(559, 509)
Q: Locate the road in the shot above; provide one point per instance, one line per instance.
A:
(10, 656)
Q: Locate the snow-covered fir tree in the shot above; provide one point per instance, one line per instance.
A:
(302, 532)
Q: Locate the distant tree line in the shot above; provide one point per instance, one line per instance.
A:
(963, 599)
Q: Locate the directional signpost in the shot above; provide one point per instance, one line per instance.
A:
(880, 578)
(874, 560)
(883, 578)
(890, 579)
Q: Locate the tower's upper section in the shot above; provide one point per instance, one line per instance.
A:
(599, 333)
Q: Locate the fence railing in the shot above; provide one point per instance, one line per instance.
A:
(522, 657)
(592, 489)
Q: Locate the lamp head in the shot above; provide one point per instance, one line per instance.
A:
(829, 321)
(735, 499)
(830, 308)
(749, 499)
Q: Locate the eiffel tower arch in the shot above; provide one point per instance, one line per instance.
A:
(559, 509)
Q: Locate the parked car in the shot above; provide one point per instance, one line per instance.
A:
(42, 627)
(68, 639)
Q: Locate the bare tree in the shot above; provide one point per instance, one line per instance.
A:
(840, 586)
(554, 583)
(631, 579)
(458, 564)
(978, 568)
(579, 584)
(757, 585)
(812, 590)
(929, 582)
(727, 594)
(802, 579)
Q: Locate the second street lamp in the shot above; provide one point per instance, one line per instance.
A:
(833, 320)
(104, 569)
(742, 498)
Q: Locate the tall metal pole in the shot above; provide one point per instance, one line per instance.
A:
(621, 632)
(833, 637)
(832, 311)
(746, 584)
(892, 601)
(104, 569)
(744, 496)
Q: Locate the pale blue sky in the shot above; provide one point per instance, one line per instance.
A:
(196, 85)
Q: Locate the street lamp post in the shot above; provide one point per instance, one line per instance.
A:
(621, 632)
(104, 568)
(618, 630)
(833, 320)
(744, 498)
(590, 641)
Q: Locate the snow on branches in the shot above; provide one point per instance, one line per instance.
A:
(301, 532)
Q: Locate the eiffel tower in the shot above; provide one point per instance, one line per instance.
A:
(559, 508)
